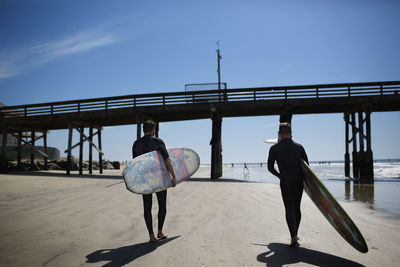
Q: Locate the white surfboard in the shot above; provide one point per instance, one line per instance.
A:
(271, 141)
(148, 174)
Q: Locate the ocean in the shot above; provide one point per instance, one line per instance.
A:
(384, 194)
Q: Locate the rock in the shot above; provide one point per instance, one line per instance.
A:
(12, 166)
(108, 166)
(25, 166)
(62, 165)
(74, 164)
(53, 166)
(36, 166)
(116, 165)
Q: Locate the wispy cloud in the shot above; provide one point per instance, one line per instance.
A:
(19, 60)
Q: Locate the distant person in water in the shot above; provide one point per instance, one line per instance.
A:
(246, 171)
(245, 167)
(288, 155)
(144, 145)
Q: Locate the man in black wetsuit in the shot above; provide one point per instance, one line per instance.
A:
(288, 155)
(144, 145)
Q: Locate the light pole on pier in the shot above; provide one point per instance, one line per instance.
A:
(219, 66)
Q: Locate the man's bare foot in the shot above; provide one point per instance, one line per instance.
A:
(162, 236)
(152, 238)
(294, 243)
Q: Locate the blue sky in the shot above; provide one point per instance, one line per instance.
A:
(63, 50)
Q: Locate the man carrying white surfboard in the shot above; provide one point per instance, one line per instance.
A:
(288, 155)
(144, 145)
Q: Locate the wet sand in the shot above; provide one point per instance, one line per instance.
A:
(48, 219)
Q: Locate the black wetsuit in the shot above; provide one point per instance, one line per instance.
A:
(144, 145)
(288, 155)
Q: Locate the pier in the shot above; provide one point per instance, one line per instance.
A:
(356, 101)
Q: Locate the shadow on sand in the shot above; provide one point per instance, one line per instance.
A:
(219, 180)
(124, 255)
(282, 254)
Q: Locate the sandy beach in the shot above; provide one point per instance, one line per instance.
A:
(49, 219)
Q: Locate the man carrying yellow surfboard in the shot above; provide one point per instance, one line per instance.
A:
(288, 155)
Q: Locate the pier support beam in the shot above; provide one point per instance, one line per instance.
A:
(369, 155)
(46, 157)
(362, 159)
(19, 149)
(138, 130)
(354, 141)
(100, 148)
(32, 150)
(286, 117)
(138, 127)
(347, 141)
(216, 146)
(157, 128)
(83, 138)
(69, 150)
(3, 156)
(366, 171)
(81, 133)
(90, 150)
